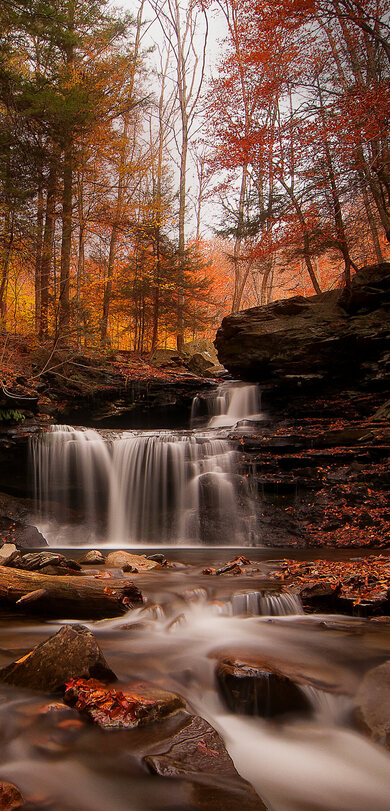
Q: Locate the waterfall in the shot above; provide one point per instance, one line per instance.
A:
(139, 488)
(147, 487)
(228, 404)
(255, 603)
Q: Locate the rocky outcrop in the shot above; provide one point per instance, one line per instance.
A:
(71, 653)
(317, 340)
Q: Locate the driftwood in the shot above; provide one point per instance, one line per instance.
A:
(65, 596)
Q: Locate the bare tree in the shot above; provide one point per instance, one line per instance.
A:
(186, 30)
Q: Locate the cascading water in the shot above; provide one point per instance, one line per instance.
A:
(138, 488)
(229, 404)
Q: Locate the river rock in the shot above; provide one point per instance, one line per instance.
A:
(372, 703)
(252, 690)
(140, 703)
(10, 797)
(93, 557)
(71, 653)
(48, 562)
(8, 554)
(313, 341)
(197, 753)
(116, 560)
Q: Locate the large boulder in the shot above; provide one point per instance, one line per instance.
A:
(72, 653)
(201, 358)
(314, 340)
(196, 753)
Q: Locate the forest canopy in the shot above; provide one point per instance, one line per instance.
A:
(145, 193)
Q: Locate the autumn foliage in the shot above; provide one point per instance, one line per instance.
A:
(288, 143)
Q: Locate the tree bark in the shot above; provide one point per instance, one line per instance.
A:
(47, 249)
(70, 596)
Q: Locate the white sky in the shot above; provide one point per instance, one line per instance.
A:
(154, 37)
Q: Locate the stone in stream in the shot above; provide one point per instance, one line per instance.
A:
(138, 704)
(372, 703)
(258, 690)
(10, 797)
(116, 560)
(72, 652)
(92, 558)
(197, 753)
(9, 554)
(48, 562)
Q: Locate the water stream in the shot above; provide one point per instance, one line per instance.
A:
(138, 488)
(295, 763)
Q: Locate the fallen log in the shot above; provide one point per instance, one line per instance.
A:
(64, 596)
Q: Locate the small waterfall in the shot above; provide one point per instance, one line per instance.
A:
(136, 488)
(228, 404)
(258, 604)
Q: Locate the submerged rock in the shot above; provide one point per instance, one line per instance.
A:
(197, 753)
(71, 653)
(139, 704)
(257, 690)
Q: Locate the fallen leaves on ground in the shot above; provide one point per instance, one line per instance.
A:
(359, 580)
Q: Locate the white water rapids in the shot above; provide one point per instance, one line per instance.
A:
(297, 764)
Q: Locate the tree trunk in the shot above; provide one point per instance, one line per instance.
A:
(47, 249)
(66, 244)
(70, 596)
(38, 253)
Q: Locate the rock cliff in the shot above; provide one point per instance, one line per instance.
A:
(328, 338)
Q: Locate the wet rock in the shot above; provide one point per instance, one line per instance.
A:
(140, 703)
(50, 562)
(71, 653)
(10, 797)
(197, 753)
(9, 554)
(92, 558)
(158, 558)
(25, 535)
(372, 703)
(256, 690)
(116, 560)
